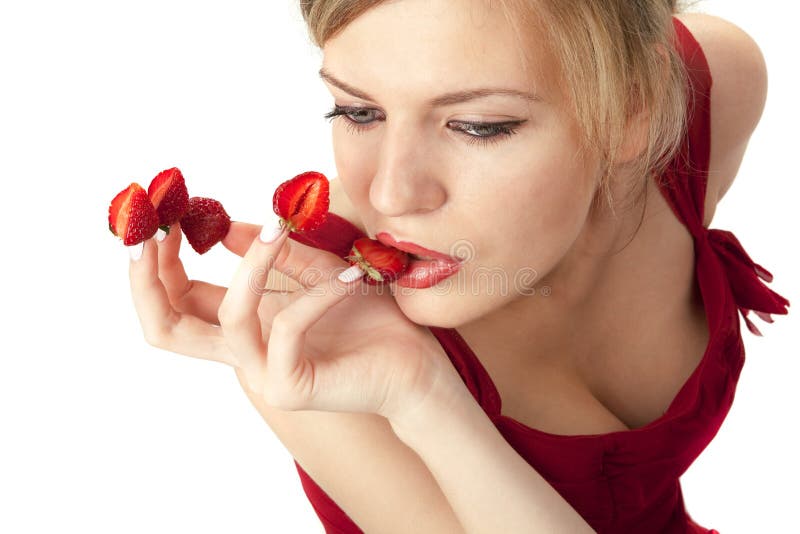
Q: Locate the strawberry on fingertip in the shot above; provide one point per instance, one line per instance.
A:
(205, 223)
(302, 202)
(170, 197)
(132, 216)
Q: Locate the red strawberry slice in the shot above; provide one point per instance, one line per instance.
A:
(380, 263)
(205, 223)
(170, 197)
(302, 202)
(131, 215)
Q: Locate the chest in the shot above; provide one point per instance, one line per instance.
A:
(633, 379)
(618, 392)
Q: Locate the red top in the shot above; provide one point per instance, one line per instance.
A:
(628, 481)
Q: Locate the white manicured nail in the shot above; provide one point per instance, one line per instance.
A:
(136, 251)
(271, 230)
(160, 235)
(351, 274)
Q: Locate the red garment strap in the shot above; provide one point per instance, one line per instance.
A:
(685, 191)
(684, 181)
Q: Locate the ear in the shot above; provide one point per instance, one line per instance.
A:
(638, 126)
(634, 141)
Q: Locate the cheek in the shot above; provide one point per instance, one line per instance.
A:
(344, 152)
(355, 162)
(542, 202)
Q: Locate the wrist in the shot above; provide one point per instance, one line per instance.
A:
(430, 412)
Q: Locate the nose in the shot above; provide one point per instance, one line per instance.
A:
(405, 178)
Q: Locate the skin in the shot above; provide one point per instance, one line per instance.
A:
(523, 203)
(300, 351)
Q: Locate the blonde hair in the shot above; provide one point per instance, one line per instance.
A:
(616, 58)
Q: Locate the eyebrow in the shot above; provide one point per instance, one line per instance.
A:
(446, 99)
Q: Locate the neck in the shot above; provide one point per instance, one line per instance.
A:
(568, 315)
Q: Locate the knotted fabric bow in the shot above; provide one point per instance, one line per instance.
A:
(747, 279)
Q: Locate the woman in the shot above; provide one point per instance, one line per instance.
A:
(575, 152)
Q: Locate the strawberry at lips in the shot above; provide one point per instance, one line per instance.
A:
(302, 204)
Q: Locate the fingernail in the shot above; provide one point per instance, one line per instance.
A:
(271, 230)
(160, 235)
(351, 274)
(136, 251)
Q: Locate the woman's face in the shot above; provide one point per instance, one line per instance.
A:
(437, 170)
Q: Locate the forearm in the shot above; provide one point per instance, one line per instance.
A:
(490, 487)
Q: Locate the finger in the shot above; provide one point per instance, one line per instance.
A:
(194, 297)
(239, 237)
(163, 326)
(294, 261)
(291, 381)
(239, 308)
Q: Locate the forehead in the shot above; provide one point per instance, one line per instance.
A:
(426, 46)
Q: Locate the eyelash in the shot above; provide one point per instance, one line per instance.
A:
(500, 129)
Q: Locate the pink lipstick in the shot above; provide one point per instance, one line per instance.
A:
(426, 268)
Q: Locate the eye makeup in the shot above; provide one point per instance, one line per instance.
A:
(358, 119)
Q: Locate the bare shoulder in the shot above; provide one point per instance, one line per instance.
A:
(738, 94)
(340, 204)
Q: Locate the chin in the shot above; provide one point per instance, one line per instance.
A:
(426, 308)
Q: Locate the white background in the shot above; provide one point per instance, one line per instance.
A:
(103, 433)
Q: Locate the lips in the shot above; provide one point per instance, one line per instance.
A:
(416, 251)
(427, 267)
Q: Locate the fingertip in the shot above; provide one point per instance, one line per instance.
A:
(347, 281)
(273, 229)
(169, 246)
(351, 274)
(145, 252)
(136, 251)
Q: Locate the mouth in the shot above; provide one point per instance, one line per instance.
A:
(418, 257)
(415, 252)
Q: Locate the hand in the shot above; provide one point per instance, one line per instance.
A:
(327, 346)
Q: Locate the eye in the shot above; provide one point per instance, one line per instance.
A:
(357, 118)
(485, 132)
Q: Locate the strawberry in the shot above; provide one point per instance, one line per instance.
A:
(302, 202)
(205, 223)
(379, 262)
(131, 215)
(168, 193)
